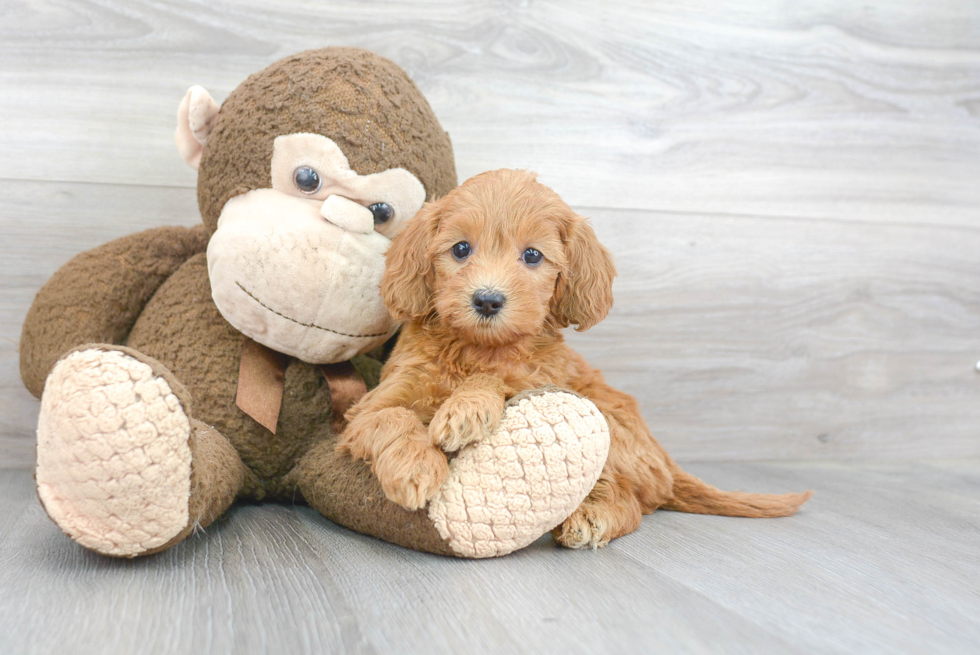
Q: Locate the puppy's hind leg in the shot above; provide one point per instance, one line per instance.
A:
(609, 511)
(636, 479)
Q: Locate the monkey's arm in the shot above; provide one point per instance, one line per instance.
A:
(98, 295)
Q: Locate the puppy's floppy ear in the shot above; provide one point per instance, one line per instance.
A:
(408, 266)
(583, 293)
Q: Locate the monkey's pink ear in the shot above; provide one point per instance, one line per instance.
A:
(195, 118)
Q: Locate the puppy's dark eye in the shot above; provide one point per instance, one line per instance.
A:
(383, 212)
(461, 250)
(532, 257)
(306, 179)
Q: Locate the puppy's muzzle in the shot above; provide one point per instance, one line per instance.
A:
(487, 302)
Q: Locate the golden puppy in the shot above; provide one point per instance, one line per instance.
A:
(485, 279)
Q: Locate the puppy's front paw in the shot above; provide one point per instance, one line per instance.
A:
(466, 417)
(411, 472)
(585, 528)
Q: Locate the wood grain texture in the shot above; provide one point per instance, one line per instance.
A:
(770, 339)
(883, 559)
(790, 189)
(800, 109)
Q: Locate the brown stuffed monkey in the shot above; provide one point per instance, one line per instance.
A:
(182, 369)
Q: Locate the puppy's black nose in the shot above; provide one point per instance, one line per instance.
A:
(488, 303)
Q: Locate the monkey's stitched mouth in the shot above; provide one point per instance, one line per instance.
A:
(309, 325)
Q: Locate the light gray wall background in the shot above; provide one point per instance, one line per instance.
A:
(791, 190)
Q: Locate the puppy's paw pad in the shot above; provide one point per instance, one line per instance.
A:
(410, 474)
(585, 528)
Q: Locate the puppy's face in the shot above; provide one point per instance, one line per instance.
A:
(495, 265)
(496, 259)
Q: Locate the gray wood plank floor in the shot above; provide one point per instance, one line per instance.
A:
(885, 558)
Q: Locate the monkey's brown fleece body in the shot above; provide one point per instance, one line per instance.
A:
(150, 292)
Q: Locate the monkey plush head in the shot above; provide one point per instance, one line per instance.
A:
(305, 174)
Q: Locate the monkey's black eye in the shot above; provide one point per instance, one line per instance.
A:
(306, 179)
(383, 212)
(532, 257)
(461, 250)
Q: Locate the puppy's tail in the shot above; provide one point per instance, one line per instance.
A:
(697, 497)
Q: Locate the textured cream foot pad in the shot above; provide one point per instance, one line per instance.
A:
(534, 471)
(113, 459)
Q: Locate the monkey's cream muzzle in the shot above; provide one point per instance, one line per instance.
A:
(300, 276)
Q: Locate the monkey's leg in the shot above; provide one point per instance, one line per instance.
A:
(501, 494)
(123, 468)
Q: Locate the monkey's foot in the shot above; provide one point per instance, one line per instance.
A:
(536, 468)
(113, 453)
